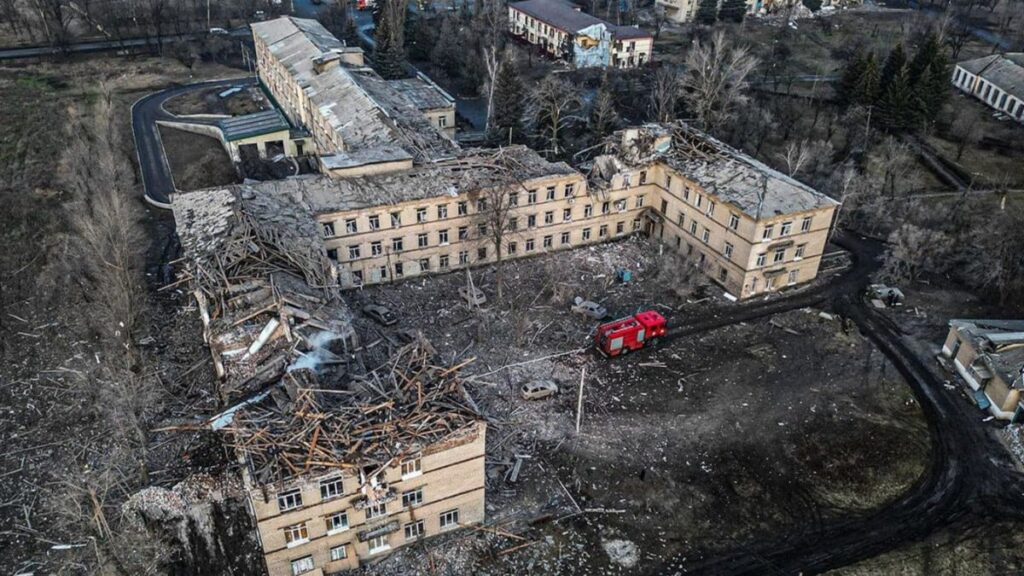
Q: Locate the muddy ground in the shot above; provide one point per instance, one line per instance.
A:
(196, 161)
(695, 446)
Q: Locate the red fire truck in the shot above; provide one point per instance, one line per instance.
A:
(630, 333)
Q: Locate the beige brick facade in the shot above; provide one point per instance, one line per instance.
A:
(450, 477)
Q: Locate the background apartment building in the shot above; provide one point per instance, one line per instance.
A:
(989, 356)
(560, 27)
(750, 228)
(325, 524)
(996, 80)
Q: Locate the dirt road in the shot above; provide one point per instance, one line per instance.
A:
(970, 480)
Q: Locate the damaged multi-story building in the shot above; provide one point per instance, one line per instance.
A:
(989, 356)
(564, 31)
(344, 454)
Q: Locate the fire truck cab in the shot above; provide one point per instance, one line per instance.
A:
(630, 333)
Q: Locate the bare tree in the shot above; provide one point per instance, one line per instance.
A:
(795, 156)
(665, 93)
(967, 131)
(551, 107)
(914, 250)
(493, 63)
(715, 80)
(895, 160)
(995, 250)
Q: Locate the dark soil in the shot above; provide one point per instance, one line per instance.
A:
(196, 161)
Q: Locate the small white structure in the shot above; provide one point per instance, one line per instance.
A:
(996, 80)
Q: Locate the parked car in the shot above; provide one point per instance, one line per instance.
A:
(474, 297)
(538, 389)
(380, 314)
(589, 309)
(218, 31)
(408, 335)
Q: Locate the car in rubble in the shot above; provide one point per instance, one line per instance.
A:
(473, 296)
(589, 309)
(537, 389)
(380, 314)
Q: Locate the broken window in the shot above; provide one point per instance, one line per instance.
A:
(640, 201)
(412, 498)
(711, 209)
(686, 193)
(396, 219)
(382, 272)
(513, 198)
(374, 222)
(705, 236)
(481, 229)
(531, 196)
(567, 215)
(399, 270)
(421, 240)
(620, 205)
(549, 217)
(570, 190)
(734, 221)
(353, 252)
(442, 237)
(549, 193)
(328, 228)
(620, 227)
(664, 206)
(588, 210)
(793, 276)
(397, 244)
(339, 553)
(302, 565)
(723, 274)
(605, 207)
(625, 180)
(513, 224)
(799, 251)
(681, 220)
(463, 257)
(377, 509)
(785, 229)
(636, 224)
(668, 181)
(548, 241)
(511, 248)
(337, 522)
(463, 208)
(421, 215)
(413, 467)
(768, 231)
(586, 234)
(643, 177)
(350, 226)
(481, 204)
(529, 245)
(442, 261)
(424, 264)
(463, 232)
(414, 530)
(449, 519)
(332, 253)
(602, 231)
(289, 500)
(376, 249)
(728, 250)
(760, 260)
(780, 255)
(693, 227)
(805, 225)
(700, 199)
(296, 534)
(531, 220)
(565, 237)
(481, 253)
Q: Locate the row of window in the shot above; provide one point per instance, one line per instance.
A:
(723, 273)
(334, 486)
(441, 211)
(411, 531)
(355, 251)
(991, 94)
(337, 522)
(398, 268)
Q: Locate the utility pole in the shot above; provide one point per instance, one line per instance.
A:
(579, 402)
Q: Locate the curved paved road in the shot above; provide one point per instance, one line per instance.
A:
(156, 172)
(970, 481)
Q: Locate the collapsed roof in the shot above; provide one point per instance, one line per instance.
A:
(734, 177)
(1000, 346)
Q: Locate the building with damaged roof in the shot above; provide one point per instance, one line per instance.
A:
(564, 31)
(749, 227)
(359, 122)
(345, 454)
(989, 356)
(997, 80)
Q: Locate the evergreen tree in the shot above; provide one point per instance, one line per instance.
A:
(707, 12)
(926, 54)
(896, 61)
(389, 54)
(851, 77)
(734, 10)
(350, 35)
(866, 89)
(899, 107)
(507, 111)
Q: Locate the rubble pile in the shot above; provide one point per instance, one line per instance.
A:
(374, 420)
